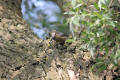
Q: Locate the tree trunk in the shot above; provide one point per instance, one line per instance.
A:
(23, 56)
(20, 49)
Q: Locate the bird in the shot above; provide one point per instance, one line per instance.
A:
(59, 37)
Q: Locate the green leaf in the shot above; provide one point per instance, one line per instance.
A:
(69, 40)
(100, 66)
(70, 13)
(77, 6)
(96, 5)
(73, 3)
(112, 24)
(101, 4)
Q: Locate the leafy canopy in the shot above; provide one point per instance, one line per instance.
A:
(99, 26)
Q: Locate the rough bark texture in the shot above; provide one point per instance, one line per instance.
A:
(23, 56)
(18, 44)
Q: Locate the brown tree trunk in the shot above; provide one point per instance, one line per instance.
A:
(19, 47)
(23, 56)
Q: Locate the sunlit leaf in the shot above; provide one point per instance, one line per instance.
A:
(112, 24)
(70, 13)
(101, 3)
(77, 6)
(69, 40)
(96, 5)
(73, 3)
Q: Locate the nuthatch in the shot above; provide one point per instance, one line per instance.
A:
(59, 37)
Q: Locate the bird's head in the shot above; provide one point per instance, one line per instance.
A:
(53, 34)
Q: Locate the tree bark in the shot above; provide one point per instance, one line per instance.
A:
(23, 56)
(19, 46)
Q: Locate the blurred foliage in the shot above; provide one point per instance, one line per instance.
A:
(44, 16)
(98, 26)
